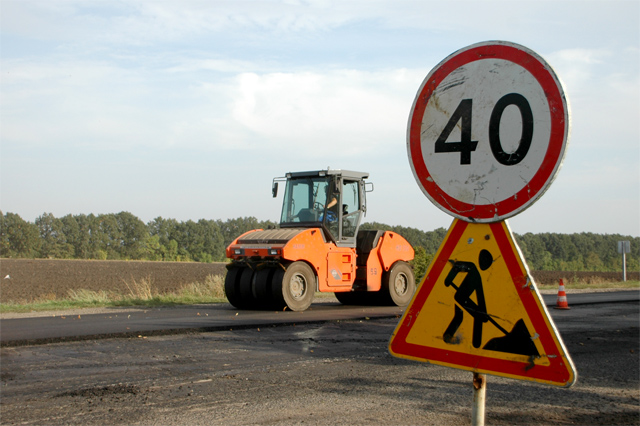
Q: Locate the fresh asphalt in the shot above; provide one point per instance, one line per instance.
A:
(141, 322)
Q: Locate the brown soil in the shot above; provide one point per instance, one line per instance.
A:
(24, 280)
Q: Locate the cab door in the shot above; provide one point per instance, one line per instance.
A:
(350, 214)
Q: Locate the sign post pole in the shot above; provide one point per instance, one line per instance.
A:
(624, 247)
(479, 393)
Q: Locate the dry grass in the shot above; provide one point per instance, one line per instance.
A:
(89, 296)
(144, 293)
(211, 288)
(595, 284)
(139, 292)
(141, 289)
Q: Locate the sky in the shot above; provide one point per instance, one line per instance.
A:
(189, 109)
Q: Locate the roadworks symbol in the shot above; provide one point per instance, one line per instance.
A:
(477, 309)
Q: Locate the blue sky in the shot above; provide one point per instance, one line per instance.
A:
(188, 109)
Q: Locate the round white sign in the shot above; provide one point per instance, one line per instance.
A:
(487, 131)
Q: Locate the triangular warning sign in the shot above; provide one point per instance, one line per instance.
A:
(478, 309)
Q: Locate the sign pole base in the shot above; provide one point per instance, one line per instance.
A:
(479, 393)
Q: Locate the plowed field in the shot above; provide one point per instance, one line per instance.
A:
(24, 280)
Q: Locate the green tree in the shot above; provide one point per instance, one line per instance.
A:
(421, 262)
(165, 230)
(213, 245)
(19, 237)
(133, 235)
(53, 240)
(76, 231)
(98, 240)
(534, 251)
(593, 263)
(4, 239)
(170, 251)
(189, 239)
(153, 249)
(106, 237)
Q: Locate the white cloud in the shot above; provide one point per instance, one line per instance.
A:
(346, 111)
(110, 107)
(603, 87)
(69, 103)
(142, 22)
(576, 67)
(191, 65)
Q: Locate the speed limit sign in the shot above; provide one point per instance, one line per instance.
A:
(488, 131)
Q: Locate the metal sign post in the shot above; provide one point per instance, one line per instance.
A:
(486, 137)
(479, 394)
(624, 247)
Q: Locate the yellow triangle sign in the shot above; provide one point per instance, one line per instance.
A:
(478, 309)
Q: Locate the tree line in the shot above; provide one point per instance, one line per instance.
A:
(123, 236)
(120, 236)
(583, 251)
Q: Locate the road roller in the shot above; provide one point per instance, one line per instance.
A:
(318, 247)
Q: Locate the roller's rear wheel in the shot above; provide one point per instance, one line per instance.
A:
(296, 288)
(231, 288)
(245, 286)
(262, 287)
(398, 285)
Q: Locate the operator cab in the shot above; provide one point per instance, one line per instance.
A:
(333, 200)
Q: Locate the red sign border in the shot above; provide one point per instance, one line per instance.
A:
(555, 373)
(559, 111)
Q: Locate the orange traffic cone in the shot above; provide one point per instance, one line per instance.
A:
(562, 303)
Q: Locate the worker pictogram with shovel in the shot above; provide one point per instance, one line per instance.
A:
(517, 341)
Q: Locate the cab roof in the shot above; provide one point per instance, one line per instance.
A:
(349, 174)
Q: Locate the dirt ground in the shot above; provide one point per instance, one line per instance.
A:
(331, 373)
(30, 279)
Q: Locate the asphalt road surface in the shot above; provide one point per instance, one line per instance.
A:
(130, 322)
(313, 372)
